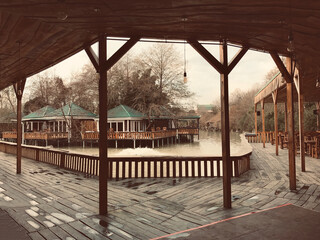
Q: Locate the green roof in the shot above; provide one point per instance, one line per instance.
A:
(190, 117)
(42, 112)
(71, 110)
(162, 113)
(123, 111)
(267, 83)
(205, 106)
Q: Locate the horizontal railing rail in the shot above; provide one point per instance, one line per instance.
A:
(131, 135)
(133, 167)
(36, 135)
(188, 131)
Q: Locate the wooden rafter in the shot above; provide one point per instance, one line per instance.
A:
(207, 55)
(107, 64)
(275, 96)
(237, 58)
(286, 75)
(93, 58)
(121, 52)
(19, 88)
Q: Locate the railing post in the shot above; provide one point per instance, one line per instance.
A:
(37, 154)
(236, 167)
(62, 160)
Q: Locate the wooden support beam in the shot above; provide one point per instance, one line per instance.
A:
(318, 115)
(285, 73)
(263, 124)
(18, 89)
(285, 117)
(225, 131)
(121, 52)
(255, 119)
(221, 68)
(291, 145)
(93, 58)
(107, 64)
(103, 137)
(237, 58)
(224, 70)
(276, 131)
(301, 127)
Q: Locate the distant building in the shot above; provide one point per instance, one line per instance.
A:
(207, 108)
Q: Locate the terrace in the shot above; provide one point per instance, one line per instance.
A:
(53, 203)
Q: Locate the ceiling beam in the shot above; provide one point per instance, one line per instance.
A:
(237, 58)
(121, 52)
(207, 56)
(93, 57)
(286, 75)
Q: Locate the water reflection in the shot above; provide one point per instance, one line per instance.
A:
(209, 144)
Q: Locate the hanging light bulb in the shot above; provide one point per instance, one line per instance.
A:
(185, 79)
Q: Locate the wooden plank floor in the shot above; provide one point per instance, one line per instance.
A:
(51, 203)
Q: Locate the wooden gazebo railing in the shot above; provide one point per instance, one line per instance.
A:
(37, 135)
(131, 135)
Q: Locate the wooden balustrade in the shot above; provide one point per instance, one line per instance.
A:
(258, 137)
(311, 141)
(131, 135)
(36, 135)
(133, 167)
(188, 131)
(9, 135)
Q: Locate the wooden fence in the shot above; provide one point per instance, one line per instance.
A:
(37, 135)
(258, 137)
(133, 167)
(131, 135)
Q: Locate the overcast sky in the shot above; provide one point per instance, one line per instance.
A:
(203, 79)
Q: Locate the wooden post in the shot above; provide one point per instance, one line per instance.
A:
(318, 115)
(275, 102)
(103, 137)
(225, 133)
(18, 89)
(263, 124)
(291, 146)
(224, 69)
(285, 118)
(301, 125)
(255, 118)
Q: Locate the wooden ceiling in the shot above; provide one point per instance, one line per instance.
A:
(49, 31)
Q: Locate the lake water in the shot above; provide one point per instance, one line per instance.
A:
(209, 144)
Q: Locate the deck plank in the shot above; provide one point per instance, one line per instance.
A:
(145, 208)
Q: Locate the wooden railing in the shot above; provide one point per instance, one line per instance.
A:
(131, 135)
(187, 131)
(9, 135)
(133, 167)
(258, 137)
(36, 135)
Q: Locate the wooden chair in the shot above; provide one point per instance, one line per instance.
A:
(315, 152)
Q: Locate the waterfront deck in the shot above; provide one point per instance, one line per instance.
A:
(51, 203)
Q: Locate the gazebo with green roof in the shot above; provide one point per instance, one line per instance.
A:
(126, 119)
(35, 120)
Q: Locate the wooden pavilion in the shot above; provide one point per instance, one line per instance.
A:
(127, 126)
(53, 125)
(38, 34)
(275, 91)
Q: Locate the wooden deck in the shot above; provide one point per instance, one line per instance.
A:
(51, 203)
